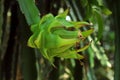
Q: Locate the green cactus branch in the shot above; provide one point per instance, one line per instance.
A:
(30, 11)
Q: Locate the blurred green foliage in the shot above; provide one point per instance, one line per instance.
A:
(98, 58)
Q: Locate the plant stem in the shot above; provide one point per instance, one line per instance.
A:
(116, 14)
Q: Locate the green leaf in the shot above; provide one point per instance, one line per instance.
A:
(83, 48)
(100, 24)
(80, 24)
(106, 11)
(63, 15)
(46, 18)
(65, 23)
(91, 59)
(87, 32)
(70, 54)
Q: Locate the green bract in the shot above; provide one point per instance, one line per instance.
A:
(57, 37)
